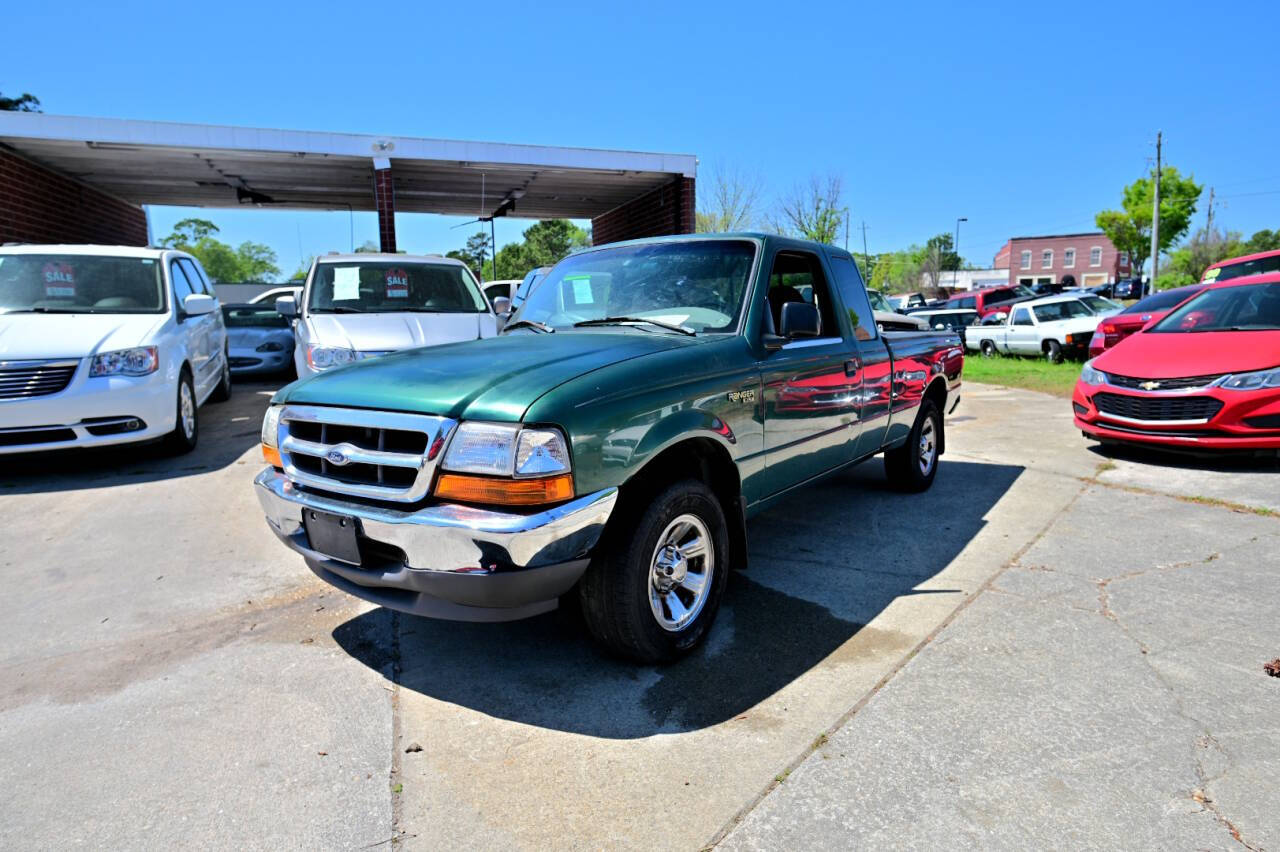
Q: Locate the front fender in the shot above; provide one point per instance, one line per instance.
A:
(682, 425)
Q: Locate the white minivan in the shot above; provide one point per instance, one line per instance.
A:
(106, 345)
(357, 306)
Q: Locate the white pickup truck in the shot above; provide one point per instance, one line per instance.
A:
(357, 306)
(1054, 327)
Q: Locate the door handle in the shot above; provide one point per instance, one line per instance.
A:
(852, 366)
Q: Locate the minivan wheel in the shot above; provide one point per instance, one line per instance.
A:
(186, 427)
(653, 591)
(913, 466)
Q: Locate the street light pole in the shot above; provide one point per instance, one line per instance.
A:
(956, 249)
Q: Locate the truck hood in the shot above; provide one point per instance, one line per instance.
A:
(33, 336)
(392, 332)
(1176, 355)
(497, 378)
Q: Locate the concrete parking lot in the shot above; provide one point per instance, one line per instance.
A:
(1052, 647)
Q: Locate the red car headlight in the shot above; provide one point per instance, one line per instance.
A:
(1251, 381)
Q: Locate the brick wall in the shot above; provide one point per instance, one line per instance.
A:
(666, 210)
(384, 196)
(1110, 265)
(41, 206)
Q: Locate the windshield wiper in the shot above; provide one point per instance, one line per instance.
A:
(340, 309)
(624, 320)
(40, 309)
(528, 323)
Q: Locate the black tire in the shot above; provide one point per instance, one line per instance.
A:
(222, 392)
(185, 432)
(617, 589)
(1053, 351)
(988, 349)
(905, 466)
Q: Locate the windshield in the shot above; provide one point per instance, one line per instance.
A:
(1257, 266)
(80, 284)
(1098, 304)
(1066, 309)
(879, 302)
(1161, 301)
(697, 284)
(1251, 307)
(532, 278)
(393, 286)
(252, 316)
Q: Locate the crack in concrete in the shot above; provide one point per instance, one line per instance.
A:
(1201, 794)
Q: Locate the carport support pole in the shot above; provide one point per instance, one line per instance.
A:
(384, 197)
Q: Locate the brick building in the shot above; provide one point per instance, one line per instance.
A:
(1079, 260)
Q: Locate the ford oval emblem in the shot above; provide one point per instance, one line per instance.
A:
(337, 456)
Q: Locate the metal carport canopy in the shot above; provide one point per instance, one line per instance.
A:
(202, 165)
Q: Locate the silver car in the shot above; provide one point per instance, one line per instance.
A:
(259, 340)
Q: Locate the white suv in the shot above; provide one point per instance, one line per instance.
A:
(106, 345)
(358, 306)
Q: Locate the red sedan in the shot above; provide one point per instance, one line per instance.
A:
(1117, 327)
(1206, 377)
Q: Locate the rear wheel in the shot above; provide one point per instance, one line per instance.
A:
(654, 590)
(222, 392)
(186, 427)
(988, 349)
(1053, 351)
(913, 466)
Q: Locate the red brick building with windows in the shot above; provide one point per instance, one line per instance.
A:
(1074, 260)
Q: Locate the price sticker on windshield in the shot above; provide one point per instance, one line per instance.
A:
(59, 281)
(397, 283)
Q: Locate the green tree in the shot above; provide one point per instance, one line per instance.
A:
(1130, 227)
(812, 211)
(368, 247)
(729, 201)
(1265, 240)
(304, 268)
(898, 271)
(938, 257)
(250, 262)
(474, 253)
(1203, 248)
(25, 102)
(544, 243)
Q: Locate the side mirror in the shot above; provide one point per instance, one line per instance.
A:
(287, 306)
(198, 304)
(799, 319)
(501, 305)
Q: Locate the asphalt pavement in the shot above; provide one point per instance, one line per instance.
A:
(1051, 647)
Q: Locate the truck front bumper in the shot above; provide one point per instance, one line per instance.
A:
(447, 560)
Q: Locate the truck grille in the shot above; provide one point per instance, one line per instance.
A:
(25, 379)
(374, 454)
(1158, 408)
(1165, 384)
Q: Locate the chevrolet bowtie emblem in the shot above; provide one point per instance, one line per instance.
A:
(1149, 385)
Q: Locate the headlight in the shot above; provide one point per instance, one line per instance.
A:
(324, 357)
(270, 346)
(271, 425)
(1090, 376)
(141, 361)
(499, 449)
(1251, 381)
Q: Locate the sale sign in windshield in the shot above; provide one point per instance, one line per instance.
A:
(59, 281)
(397, 283)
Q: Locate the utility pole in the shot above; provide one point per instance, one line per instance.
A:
(1208, 226)
(866, 258)
(1155, 220)
(956, 249)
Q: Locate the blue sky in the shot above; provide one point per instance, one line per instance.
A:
(1023, 117)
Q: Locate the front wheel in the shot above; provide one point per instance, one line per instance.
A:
(913, 466)
(186, 428)
(654, 590)
(1053, 351)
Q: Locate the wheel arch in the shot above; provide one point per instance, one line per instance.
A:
(698, 457)
(937, 394)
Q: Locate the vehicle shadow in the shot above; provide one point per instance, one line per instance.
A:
(1228, 462)
(824, 563)
(227, 430)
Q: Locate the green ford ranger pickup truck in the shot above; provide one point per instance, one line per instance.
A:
(644, 401)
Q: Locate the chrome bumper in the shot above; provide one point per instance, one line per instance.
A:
(459, 561)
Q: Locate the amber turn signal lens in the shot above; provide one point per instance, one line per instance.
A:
(271, 456)
(505, 492)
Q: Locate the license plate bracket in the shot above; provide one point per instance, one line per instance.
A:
(335, 536)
